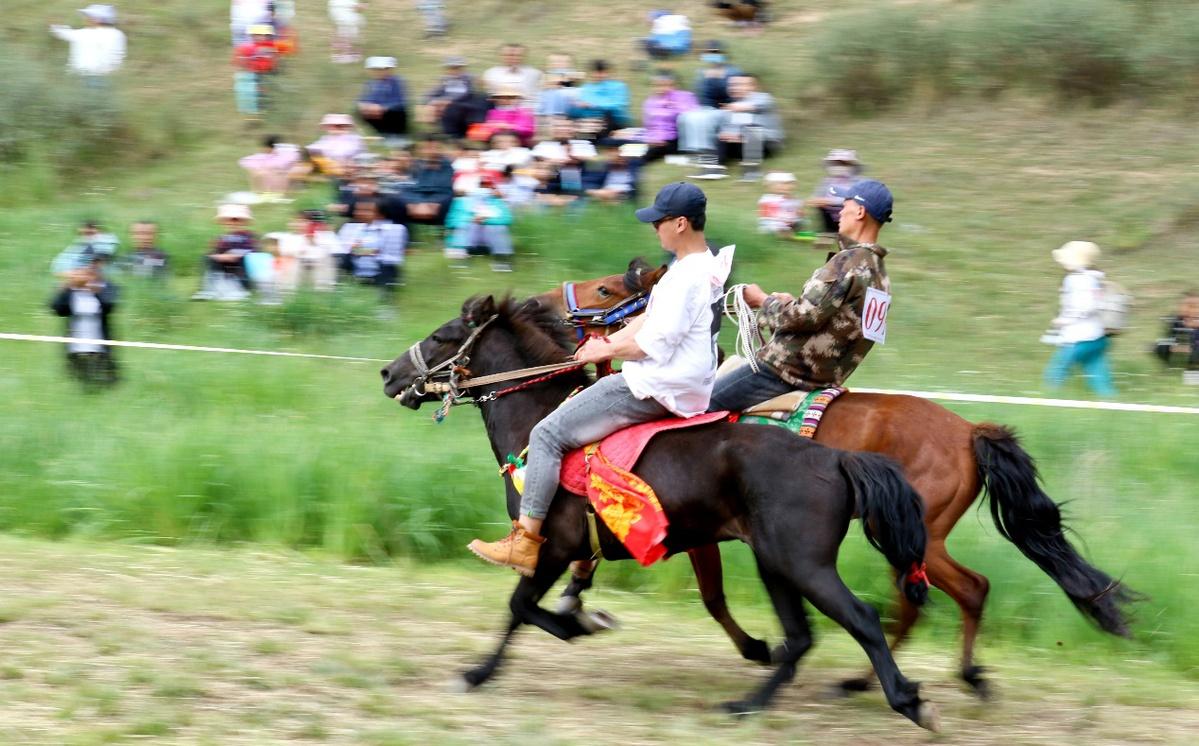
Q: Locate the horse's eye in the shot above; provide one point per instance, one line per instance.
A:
(604, 292)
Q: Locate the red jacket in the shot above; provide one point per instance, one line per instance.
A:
(256, 57)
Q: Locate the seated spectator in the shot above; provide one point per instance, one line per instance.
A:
(468, 168)
(146, 260)
(519, 186)
(225, 275)
(510, 114)
(428, 199)
(90, 244)
(86, 300)
(395, 175)
(270, 168)
(338, 145)
(751, 129)
(842, 169)
(513, 73)
(552, 190)
(602, 98)
(364, 187)
(562, 147)
(478, 224)
(373, 247)
(616, 178)
(559, 87)
(255, 60)
(383, 103)
(669, 35)
(454, 102)
(506, 152)
(1181, 343)
(697, 127)
(661, 112)
(311, 245)
(779, 212)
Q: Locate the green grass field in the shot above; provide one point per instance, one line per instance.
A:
(200, 449)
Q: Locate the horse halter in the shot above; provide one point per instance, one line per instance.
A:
(448, 368)
(581, 318)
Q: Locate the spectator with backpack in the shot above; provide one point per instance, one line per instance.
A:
(1082, 334)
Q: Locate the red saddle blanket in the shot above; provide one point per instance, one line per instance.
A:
(602, 472)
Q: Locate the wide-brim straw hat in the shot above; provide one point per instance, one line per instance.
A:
(234, 212)
(337, 120)
(842, 155)
(1076, 255)
(509, 91)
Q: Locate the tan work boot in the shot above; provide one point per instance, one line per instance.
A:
(517, 550)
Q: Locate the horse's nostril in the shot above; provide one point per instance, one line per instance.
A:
(386, 375)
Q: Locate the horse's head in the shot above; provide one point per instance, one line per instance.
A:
(405, 379)
(589, 303)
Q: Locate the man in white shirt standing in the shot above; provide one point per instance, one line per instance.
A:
(669, 369)
(514, 73)
(98, 49)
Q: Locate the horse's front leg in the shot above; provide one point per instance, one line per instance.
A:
(481, 673)
(524, 605)
(582, 574)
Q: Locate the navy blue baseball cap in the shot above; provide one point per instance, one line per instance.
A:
(675, 200)
(873, 195)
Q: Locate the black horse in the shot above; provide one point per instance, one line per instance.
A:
(791, 500)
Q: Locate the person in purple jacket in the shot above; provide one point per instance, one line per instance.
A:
(383, 103)
(661, 114)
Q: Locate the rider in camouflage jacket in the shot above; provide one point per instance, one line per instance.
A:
(817, 339)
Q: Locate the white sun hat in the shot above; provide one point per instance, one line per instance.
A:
(1076, 255)
(233, 211)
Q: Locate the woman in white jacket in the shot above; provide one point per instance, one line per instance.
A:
(1082, 339)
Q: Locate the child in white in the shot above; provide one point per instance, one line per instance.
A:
(778, 210)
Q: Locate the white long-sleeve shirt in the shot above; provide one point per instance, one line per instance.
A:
(679, 366)
(1080, 319)
(95, 50)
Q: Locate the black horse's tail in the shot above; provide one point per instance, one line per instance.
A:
(892, 516)
(1026, 516)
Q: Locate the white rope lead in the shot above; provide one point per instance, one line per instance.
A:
(749, 340)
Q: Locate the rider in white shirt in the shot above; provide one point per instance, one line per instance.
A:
(670, 368)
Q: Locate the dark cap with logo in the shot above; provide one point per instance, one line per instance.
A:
(873, 195)
(676, 200)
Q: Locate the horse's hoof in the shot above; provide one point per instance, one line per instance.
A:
(929, 717)
(596, 621)
(979, 685)
(853, 686)
(739, 708)
(569, 604)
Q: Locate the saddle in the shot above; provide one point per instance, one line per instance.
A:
(798, 411)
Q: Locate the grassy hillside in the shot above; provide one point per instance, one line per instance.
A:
(306, 453)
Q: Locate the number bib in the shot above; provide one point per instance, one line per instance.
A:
(874, 315)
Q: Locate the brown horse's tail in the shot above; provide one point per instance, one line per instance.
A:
(892, 515)
(1026, 516)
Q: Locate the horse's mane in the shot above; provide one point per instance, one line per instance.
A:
(540, 335)
(632, 277)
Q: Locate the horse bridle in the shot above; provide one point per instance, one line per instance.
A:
(424, 381)
(581, 318)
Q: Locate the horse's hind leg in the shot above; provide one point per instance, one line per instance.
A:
(969, 590)
(909, 614)
(789, 606)
(709, 575)
(825, 589)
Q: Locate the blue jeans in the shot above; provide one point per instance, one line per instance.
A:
(597, 411)
(1091, 356)
(743, 388)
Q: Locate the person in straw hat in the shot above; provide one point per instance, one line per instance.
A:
(225, 275)
(1081, 338)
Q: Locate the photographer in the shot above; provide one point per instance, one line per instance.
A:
(86, 300)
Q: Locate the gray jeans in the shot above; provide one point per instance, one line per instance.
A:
(596, 411)
(742, 388)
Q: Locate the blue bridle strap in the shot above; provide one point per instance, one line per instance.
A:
(582, 317)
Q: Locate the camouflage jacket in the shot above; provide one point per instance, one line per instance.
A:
(817, 339)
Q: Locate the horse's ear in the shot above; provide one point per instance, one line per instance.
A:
(477, 310)
(649, 279)
(487, 308)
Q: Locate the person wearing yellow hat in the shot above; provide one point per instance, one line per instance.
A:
(1081, 337)
(256, 59)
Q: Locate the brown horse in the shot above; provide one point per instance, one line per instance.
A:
(949, 461)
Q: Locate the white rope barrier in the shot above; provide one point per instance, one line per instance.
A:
(935, 395)
(184, 348)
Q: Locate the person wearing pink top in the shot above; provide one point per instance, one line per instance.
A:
(340, 143)
(268, 169)
(510, 115)
(660, 115)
